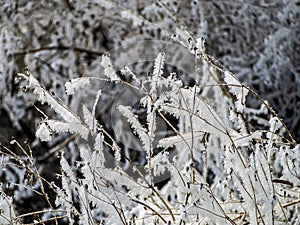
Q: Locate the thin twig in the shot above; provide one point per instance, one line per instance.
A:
(60, 48)
(149, 207)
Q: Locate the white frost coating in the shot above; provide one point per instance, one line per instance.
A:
(108, 69)
(43, 133)
(160, 163)
(136, 20)
(200, 44)
(99, 93)
(85, 210)
(236, 88)
(127, 71)
(151, 111)
(76, 84)
(205, 116)
(136, 125)
(107, 4)
(89, 119)
(85, 153)
(244, 140)
(7, 213)
(159, 64)
(76, 128)
(290, 159)
(44, 97)
(97, 155)
(98, 146)
(274, 124)
(173, 140)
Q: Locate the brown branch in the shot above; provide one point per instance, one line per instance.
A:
(149, 207)
(291, 203)
(58, 47)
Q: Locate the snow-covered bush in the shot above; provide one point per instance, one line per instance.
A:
(217, 168)
(154, 131)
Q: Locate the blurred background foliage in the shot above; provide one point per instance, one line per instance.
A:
(58, 40)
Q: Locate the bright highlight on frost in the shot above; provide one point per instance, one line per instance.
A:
(238, 89)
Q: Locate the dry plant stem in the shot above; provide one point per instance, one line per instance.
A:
(291, 203)
(56, 149)
(191, 112)
(174, 129)
(149, 207)
(29, 188)
(97, 197)
(154, 202)
(208, 123)
(59, 48)
(149, 185)
(152, 188)
(23, 186)
(283, 212)
(39, 212)
(40, 111)
(122, 214)
(191, 122)
(217, 65)
(150, 153)
(192, 131)
(157, 193)
(120, 211)
(255, 202)
(254, 199)
(86, 208)
(35, 171)
(225, 215)
(259, 179)
(179, 175)
(163, 201)
(45, 62)
(270, 176)
(238, 217)
(234, 85)
(44, 221)
(243, 160)
(30, 157)
(292, 140)
(215, 214)
(220, 121)
(245, 189)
